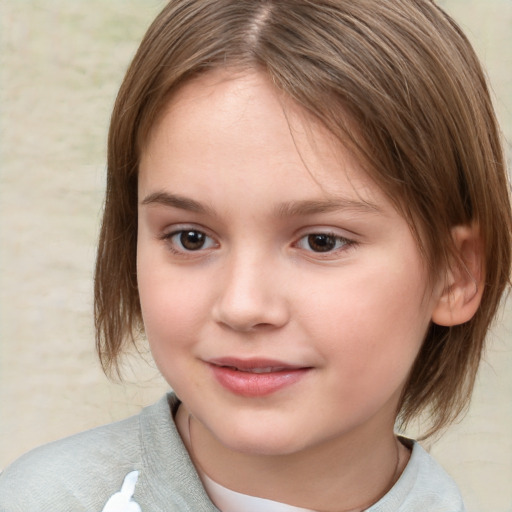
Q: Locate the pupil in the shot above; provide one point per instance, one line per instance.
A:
(192, 240)
(321, 243)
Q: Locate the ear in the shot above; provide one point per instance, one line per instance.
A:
(459, 298)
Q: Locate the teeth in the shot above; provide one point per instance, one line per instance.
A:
(263, 370)
(257, 370)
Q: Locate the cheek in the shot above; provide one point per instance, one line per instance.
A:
(376, 321)
(166, 292)
(169, 310)
(175, 307)
(169, 303)
(169, 317)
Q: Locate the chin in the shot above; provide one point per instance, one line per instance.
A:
(263, 442)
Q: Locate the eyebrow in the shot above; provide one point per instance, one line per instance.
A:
(288, 209)
(176, 201)
(308, 207)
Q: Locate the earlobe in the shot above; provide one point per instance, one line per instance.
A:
(459, 298)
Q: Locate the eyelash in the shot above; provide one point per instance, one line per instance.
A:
(340, 243)
(333, 242)
(168, 237)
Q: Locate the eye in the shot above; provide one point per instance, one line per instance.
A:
(323, 242)
(189, 240)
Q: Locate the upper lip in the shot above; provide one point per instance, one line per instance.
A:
(254, 364)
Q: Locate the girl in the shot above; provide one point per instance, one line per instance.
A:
(301, 214)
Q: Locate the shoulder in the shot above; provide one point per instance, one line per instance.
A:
(424, 486)
(75, 473)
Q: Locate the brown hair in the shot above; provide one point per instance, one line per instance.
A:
(401, 71)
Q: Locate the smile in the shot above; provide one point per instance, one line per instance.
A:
(257, 370)
(255, 378)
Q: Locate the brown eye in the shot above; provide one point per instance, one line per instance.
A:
(183, 241)
(321, 242)
(324, 243)
(192, 240)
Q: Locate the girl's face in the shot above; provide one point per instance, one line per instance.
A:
(283, 296)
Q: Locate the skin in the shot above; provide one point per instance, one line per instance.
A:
(236, 160)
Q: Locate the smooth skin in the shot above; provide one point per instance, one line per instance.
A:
(260, 237)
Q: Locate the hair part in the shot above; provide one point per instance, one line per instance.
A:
(402, 73)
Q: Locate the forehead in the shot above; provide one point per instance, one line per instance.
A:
(235, 130)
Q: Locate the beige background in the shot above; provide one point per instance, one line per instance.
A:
(61, 63)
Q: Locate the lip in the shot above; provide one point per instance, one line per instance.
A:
(255, 377)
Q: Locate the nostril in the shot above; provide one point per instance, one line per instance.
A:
(249, 301)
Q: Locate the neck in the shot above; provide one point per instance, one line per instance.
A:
(346, 474)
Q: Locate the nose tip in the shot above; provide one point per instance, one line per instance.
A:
(248, 317)
(251, 301)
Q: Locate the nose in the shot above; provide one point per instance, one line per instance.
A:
(253, 295)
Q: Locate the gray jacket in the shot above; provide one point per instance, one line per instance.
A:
(141, 464)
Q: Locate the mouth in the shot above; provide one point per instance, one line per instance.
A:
(268, 369)
(256, 377)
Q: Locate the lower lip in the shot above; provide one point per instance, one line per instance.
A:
(256, 384)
